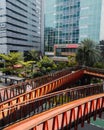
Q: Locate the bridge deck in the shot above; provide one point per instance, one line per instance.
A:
(28, 108)
(22, 97)
(15, 90)
(95, 74)
(59, 117)
(42, 90)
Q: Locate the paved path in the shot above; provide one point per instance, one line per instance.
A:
(89, 127)
(95, 125)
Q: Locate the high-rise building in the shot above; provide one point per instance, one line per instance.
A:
(21, 25)
(50, 30)
(91, 22)
(73, 20)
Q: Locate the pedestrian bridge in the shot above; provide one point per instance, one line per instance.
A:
(65, 116)
(19, 111)
(17, 104)
(20, 88)
(17, 89)
(94, 72)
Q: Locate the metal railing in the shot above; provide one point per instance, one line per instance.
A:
(28, 108)
(96, 70)
(64, 117)
(44, 89)
(20, 88)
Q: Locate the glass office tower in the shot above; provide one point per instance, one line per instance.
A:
(90, 19)
(71, 21)
(67, 21)
(21, 25)
(61, 22)
(49, 28)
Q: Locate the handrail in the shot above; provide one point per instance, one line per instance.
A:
(44, 89)
(20, 88)
(98, 70)
(59, 117)
(28, 108)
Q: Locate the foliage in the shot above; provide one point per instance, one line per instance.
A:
(46, 64)
(72, 60)
(99, 65)
(87, 53)
(10, 60)
(27, 65)
(32, 55)
(37, 74)
(62, 65)
(102, 49)
(7, 71)
(1, 64)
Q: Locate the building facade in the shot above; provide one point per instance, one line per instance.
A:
(90, 19)
(73, 21)
(21, 25)
(49, 24)
(65, 49)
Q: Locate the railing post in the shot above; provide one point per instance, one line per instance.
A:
(45, 125)
(55, 124)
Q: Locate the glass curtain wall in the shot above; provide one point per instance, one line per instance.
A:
(90, 17)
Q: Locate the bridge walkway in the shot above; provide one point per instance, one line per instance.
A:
(13, 106)
(20, 88)
(65, 116)
(42, 90)
(26, 109)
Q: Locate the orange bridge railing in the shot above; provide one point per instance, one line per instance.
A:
(65, 116)
(20, 111)
(20, 88)
(44, 89)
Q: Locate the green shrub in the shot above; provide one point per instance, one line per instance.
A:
(61, 65)
(37, 74)
(99, 65)
(7, 71)
(1, 64)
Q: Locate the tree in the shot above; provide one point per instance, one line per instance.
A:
(11, 59)
(27, 67)
(72, 60)
(102, 49)
(87, 53)
(46, 64)
(32, 55)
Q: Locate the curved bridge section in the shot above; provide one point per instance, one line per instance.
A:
(20, 111)
(44, 89)
(65, 116)
(94, 72)
(15, 90)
